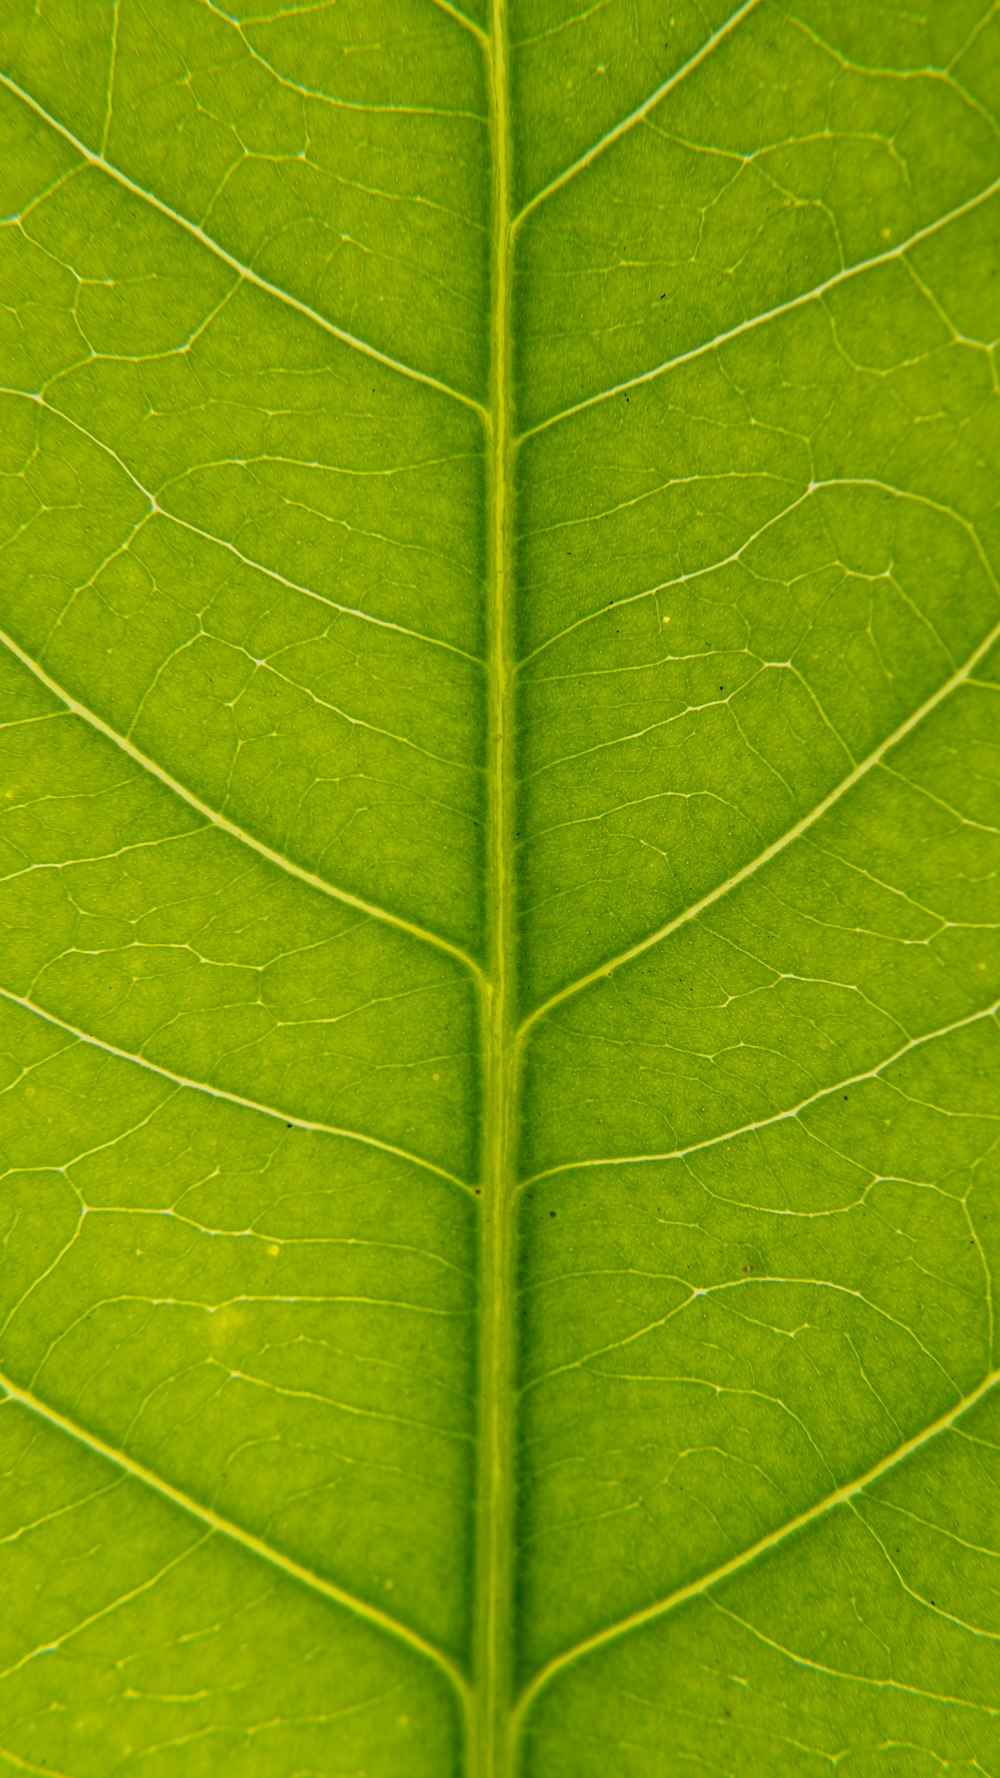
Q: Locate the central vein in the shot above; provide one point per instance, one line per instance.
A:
(490, 1753)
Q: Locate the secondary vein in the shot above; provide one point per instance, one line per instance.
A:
(215, 818)
(275, 1558)
(215, 247)
(605, 970)
(841, 1496)
(288, 1118)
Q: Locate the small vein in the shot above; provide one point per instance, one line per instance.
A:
(114, 1605)
(331, 99)
(234, 1533)
(570, 22)
(816, 292)
(288, 1118)
(112, 62)
(840, 790)
(886, 1683)
(694, 1589)
(642, 111)
(245, 272)
(222, 822)
(924, 1599)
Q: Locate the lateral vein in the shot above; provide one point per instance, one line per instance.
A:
(771, 1540)
(778, 1117)
(816, 292)
(216, 819)
(463, 19)
(245, 272)
(235, 1533)
(288, 1118)
(641, 111)
(777, 846)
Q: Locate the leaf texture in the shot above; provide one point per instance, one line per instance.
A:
(500, 843)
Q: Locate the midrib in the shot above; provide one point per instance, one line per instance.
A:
(489, 1751)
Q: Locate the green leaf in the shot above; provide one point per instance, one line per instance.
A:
(501, 846)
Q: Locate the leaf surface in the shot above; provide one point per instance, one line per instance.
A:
(500, 847)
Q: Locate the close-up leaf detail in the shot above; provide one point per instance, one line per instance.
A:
(500, 921)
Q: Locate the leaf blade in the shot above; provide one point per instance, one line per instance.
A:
(499, 511)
